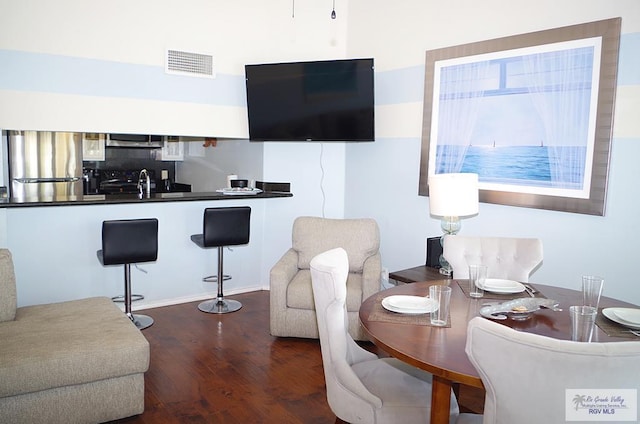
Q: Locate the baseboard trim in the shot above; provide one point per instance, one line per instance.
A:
(143, 305)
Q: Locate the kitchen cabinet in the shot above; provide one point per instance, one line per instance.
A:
(172, 149)
(93, 145)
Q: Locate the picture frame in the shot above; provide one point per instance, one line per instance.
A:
(532, 114)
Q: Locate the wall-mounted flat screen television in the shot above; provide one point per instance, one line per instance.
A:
(329, 100)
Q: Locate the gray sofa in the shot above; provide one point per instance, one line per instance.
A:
(80, 361)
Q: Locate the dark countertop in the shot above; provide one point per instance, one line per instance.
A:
(112, 199)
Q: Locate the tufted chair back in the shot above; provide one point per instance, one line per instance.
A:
(362, 388)
(526, 376)
(510, 258)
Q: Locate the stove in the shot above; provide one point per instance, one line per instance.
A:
(122, 181)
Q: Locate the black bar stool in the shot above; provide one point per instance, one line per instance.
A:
(126, 242)
(222, 227)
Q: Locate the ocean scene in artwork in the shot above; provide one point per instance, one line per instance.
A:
(519, 165)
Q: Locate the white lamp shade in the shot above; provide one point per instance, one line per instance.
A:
(453, 194)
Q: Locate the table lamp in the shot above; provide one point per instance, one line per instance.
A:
(452, 196)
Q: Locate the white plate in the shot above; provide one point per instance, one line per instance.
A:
(237, 191)
(612, 314)
(630, 315)
(409, 304)
(497, 285)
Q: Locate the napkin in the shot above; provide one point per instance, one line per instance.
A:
(613, 329)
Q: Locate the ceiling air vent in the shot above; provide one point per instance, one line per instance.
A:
(186, 63)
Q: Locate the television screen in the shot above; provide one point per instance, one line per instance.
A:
(311, 101)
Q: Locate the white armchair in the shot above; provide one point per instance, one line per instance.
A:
(505, 257)
(291, 295)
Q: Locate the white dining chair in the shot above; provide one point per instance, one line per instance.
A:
(506, 257)
(526, 375)
(362, 388)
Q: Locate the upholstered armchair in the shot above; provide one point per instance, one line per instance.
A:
(291, 295)
(505, 257)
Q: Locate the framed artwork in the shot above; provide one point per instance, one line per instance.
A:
(531, 114)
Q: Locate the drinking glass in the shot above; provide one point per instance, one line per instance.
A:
(477, 275)
(583, 320)
(442, 295)
(591, 290)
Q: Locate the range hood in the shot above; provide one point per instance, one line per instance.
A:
(140, 141)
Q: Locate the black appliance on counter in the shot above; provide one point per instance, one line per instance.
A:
(90, 181)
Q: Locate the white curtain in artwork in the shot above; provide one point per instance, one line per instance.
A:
(560, 86)
(461, 94)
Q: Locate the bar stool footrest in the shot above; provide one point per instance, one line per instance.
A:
(134, 298)
(214, 278)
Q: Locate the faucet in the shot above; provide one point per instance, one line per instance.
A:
(147, 182)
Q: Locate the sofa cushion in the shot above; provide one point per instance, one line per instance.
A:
(68, 343)
(300, 291)
(8, 297)
(313, 235)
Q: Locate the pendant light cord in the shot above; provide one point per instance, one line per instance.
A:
(293, 9)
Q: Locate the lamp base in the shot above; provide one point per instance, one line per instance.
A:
(450, 225)
(445, 268)
(446, 271)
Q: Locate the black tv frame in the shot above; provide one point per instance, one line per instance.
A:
(329, 100)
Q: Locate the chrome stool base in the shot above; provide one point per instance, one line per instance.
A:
(141, 321)
(219, 306)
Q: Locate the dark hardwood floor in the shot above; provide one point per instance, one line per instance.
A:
(228, 369)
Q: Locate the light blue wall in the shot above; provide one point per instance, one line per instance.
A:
(103, 78)
(54, 253)
(74, 70)
(382, 180)
(114, 80)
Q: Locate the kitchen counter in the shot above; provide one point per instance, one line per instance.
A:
(107, 199)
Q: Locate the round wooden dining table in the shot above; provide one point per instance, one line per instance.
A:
(441, 350)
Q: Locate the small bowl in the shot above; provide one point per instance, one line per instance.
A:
(517, 309)
(239, 183)
(521, 315)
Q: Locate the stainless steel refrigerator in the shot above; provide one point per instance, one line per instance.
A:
(45, 166)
